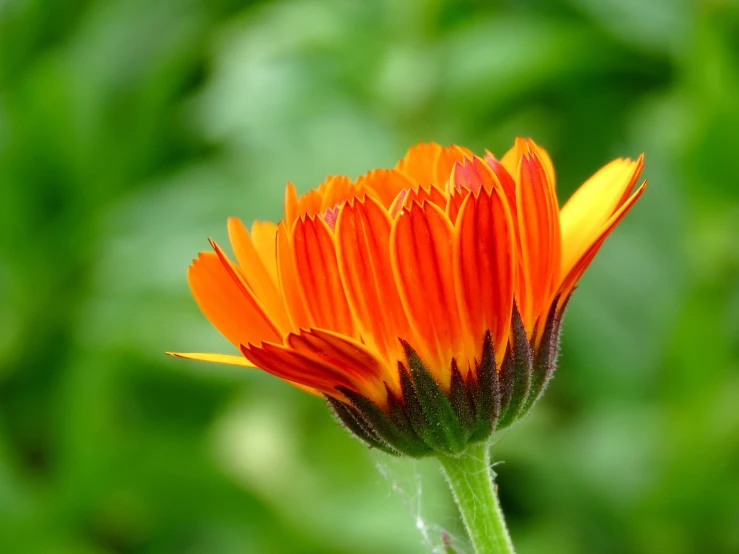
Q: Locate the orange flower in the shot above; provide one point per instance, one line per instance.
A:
(395, 295)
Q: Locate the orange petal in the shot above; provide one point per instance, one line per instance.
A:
(472, 175)
(291, 366)
(506, 181)
(363, 248)
(417, 194)
(577, 269)
(335, 190)
(484, 270)
(523, 146)
(291, 203)
(431, 164)
(318, 273)
(367, 372)
(339, 189)
(264, 237)
(539, 235)
(229, 360)
(445, 162)
(592, 205)
(228, 303)
(421, 252)
(256, 274)
(290, 289)
(384, 184)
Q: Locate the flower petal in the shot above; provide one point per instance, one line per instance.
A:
(296, 368)
(363, 248)
(592, 205)
(384, 184)
(417, 194)
(470, 175)
(256, 273)
(264, 237)
(226, 359)
(227, 302)
(431, 164)
(577, 269)
(421, 251)
(291, 204)
(484, 270)
(539, 236)
(367, 372)
(318, 274)
(523, 146)
(290, 289)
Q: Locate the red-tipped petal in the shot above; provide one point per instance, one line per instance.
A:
(421, 252)
(318, 273)
(289, 365)
(287, 271)
(365, 370)
(363, 247)
(484, 270)
(539, 236)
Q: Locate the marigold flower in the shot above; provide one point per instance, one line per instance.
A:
(424, 301)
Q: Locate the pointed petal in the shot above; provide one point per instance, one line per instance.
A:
(592, 205)
(523, 146)
(227, 302)
(363, 247)
(264, 237)
(417, 194)
(506, 181)
(226, 359)
(318, 274)
(296, 368)
(366, 371)
(421, 249)
(484, 270)
(291, 203)
(290, 288)
(471, 175)
(339, 188)
(384, 184)
(230, 360)
(256, 274)
(577, 269)
(539, 235)
(430, 163)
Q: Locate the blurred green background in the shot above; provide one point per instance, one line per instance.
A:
(130, 130)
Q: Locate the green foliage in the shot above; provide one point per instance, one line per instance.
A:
(130, 130)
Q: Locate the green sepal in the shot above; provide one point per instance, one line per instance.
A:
(413, 409)
(381, 424)
(445, 428)
(486, 392)
(515, 373)
(398, 414)
(461, 401)
(352, 421)
(545, 358)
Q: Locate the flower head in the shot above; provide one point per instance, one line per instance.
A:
(424, 301)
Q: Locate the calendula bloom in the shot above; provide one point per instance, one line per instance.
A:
(424, 301)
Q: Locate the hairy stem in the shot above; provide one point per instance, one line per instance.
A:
(471, 480)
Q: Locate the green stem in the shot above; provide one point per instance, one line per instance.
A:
(471, 480)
